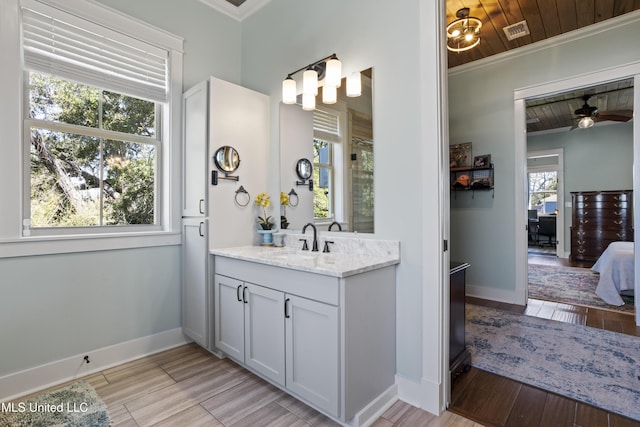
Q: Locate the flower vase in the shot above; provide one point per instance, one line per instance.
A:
(267, 237)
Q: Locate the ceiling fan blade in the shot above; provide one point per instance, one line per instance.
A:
(612, 117)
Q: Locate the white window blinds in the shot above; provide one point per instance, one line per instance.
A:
(326, 125)
(58, 43)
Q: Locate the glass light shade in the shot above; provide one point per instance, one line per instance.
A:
(333, 73)
(585, 122)
(289, 91)
(329, 94)
(308, 101)
(354, 85)
(310, 82)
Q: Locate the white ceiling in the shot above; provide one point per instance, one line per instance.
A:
(236, 12)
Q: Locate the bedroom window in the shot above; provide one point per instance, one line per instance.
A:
(96, 123)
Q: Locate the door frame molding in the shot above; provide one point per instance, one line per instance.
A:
(631, 70)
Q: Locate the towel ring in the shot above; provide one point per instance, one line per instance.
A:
(240, 191)
(293, 193)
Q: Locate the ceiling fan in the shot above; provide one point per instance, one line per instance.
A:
(588, 115)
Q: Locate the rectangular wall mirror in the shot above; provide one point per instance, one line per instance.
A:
(338, 139)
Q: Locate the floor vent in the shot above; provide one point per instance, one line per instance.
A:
(519, 29)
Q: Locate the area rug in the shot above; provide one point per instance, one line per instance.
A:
(571, 285)
(76, 405)
(594, 366)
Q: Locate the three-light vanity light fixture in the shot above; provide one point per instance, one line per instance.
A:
(328, 69)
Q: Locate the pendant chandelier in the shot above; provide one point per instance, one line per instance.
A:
(463, 33)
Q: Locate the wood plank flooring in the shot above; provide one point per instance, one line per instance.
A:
(496, 401)
(188, 386)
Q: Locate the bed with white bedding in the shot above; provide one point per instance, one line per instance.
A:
(615, 266)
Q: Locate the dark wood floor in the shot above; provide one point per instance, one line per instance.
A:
(493, 400)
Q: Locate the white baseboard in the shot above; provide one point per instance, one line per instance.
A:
(370, 413)
(424, 395)
(33, 379)
(493, 294)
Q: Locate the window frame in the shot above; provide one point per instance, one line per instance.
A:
(103, 134)
(15, 241)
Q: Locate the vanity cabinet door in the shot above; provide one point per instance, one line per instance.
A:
(312, 352)
(195, 319)
(229, 325)
(264, 332)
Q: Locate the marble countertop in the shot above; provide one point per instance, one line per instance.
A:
(328, 264)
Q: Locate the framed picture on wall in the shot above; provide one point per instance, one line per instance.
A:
(460, 156)
(483, 161)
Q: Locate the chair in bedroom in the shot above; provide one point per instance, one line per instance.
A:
(547, 227)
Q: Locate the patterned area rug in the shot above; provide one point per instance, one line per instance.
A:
(594, 366)
(77, 405)
(571, 285)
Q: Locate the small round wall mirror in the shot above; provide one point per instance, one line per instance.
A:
(304, 169)
(226, 159)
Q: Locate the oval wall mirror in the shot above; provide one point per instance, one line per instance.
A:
(304, 169)
(226, 159)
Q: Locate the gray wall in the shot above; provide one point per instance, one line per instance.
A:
(481, 110)
(56, 306)
(598, 158)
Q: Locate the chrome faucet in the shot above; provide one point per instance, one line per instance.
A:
(335, 223)
(315, 236)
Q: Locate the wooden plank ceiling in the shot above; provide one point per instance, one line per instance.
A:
(545, 19)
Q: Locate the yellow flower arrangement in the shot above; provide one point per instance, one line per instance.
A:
(264, 202)
(284, 201)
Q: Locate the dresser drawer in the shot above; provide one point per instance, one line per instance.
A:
(605, 197)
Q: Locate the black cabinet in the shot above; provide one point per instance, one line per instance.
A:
(459, 357)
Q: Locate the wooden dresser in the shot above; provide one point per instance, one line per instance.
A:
(599, 218)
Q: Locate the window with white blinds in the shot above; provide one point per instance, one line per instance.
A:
(61, 44)
(326, 125)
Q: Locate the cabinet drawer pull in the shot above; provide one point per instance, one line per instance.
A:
(581, 251)
(584, 221)
(581, 242)
(244, 295)
(585, 198)
(617, 213)
(201, 206)
(585, 205)
(238, 293)
(620, 235)
(580, 233)
(286, 309)
(618, 222)
(617, 205)
(200, 229)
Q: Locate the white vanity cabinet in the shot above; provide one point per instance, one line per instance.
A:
(249, 325)
(329, 341)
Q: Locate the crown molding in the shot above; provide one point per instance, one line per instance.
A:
(561, 39)
(236, 12)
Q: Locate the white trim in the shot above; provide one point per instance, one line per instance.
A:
(520, 143)
(374, 410)
(70, 244)
(238, 13)
(73, 367)
(549, 43)
(494, 294)
(424, 395)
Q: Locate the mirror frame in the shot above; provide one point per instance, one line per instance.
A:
(304, 165)
(227, 159)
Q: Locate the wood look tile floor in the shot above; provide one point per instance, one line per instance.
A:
(493, 400)
(188, 386)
